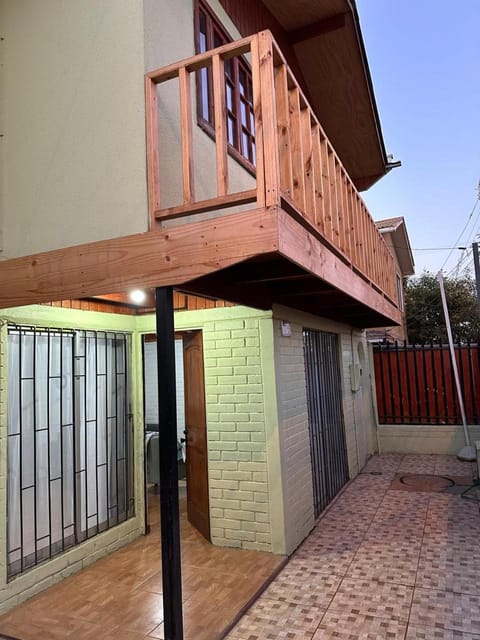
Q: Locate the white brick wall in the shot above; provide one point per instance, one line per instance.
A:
(294, 435)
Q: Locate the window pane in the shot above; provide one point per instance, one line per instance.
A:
(204, 91)
(244, 144)
(231, 131)
(229, 97)
(242, 82)
(243, 113)
(229, 68)
(252, 122)
(203, 32)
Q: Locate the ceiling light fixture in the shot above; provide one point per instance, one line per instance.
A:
(137, 296)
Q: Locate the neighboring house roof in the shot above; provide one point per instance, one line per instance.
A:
(327, 41)
(395, 232)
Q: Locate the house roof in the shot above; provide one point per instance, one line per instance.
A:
(397, 238)
(327, 41)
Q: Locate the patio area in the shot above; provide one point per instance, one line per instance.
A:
(120, 596)
(388, 560)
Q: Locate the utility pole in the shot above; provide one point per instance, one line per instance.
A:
(468, 452)
(476, 262)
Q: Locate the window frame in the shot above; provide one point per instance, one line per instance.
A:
(214, 27)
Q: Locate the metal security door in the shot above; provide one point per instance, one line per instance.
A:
(325, 414)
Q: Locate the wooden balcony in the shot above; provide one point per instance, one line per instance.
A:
(336, 258)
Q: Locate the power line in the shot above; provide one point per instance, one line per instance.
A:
(463, 230)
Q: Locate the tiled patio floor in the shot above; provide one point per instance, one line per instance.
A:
(383, 562)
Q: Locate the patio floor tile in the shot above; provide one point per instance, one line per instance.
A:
(356, 626)
(269, 619)
(445, 609)
(373, 598)
(415, 632)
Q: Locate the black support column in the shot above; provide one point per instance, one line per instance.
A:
(169, 510)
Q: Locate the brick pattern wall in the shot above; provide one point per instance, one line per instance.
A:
(294, 435)
(237, 462)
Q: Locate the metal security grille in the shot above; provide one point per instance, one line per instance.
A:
(69, 440)
(327, 430)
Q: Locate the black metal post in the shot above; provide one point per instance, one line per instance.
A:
(169, 510)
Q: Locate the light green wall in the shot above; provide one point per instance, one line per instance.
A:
(243, 450)
(73, 123)
(246, 505)
(48, 573)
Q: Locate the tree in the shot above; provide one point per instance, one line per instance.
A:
(424, 311)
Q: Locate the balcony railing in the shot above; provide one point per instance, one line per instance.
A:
(296, 165)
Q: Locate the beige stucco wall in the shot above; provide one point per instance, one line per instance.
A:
(293, 415)
(169, 37)
(73, 119)
(73, 123)
(407, 438)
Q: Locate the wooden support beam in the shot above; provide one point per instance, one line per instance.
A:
(323, 263)
(155, 258)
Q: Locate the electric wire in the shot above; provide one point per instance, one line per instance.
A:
(461, 233)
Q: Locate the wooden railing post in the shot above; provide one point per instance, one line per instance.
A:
(268, 116)
(187, 137)
(153, 172)
(218, 73)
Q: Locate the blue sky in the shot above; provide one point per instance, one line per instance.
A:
(424, 57)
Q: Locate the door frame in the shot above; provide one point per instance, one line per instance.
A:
(151, 337)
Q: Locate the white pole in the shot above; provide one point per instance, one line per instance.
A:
(467, 452)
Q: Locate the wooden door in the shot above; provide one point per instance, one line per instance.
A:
(196, 433)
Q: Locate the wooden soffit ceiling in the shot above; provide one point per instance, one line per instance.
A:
(326, 39)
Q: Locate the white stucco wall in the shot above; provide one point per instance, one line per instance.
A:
(360, 421)
(73, 123)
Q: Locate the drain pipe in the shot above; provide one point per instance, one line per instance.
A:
(468, 452)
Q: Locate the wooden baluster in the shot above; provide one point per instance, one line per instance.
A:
(269, 119)
(347, 216)
(187, 138)
(283, 126)
(318, 179)
(218, 72)
(341, 211)
(297, 149)
(353, 238)
(327, 196)
(258, 115)
(308, 171)
(153, 172)
(363, 227)
(334, 197)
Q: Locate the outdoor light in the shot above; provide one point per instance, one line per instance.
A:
(137, 296)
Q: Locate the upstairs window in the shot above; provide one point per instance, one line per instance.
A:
(210, 34)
